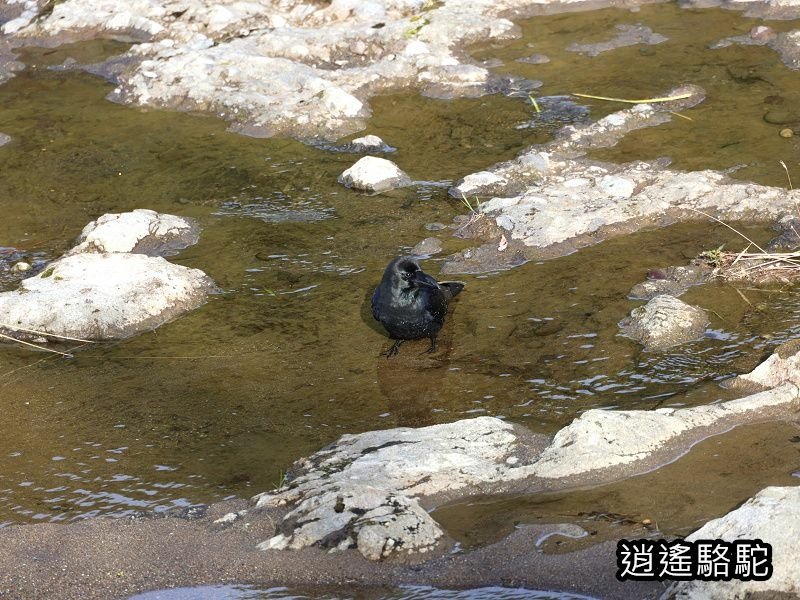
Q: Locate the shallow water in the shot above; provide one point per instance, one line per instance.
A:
(735, 466)
(219, 403)
(406, 592)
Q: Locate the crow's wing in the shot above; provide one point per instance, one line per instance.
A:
(451, 289)
(436, 303)
(376, 299)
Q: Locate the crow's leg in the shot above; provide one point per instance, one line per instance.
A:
(394, 349)
(432, 347)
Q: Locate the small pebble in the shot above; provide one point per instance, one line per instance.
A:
(21, 267)
(435, 226)
(646, 522)
(786, 132)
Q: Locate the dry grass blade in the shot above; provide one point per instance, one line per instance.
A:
(769, 263)
(737, 232)
(37, 346)
(738, 291)
(8, 374)
(45, 334)
(677, 114)
(789, 177)
(741, 254)
(644, 101)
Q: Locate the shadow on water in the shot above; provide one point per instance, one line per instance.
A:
(218, 403)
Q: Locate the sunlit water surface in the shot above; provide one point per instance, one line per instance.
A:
(220, 402)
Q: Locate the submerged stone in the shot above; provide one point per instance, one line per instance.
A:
(664, 322)
(427, 247)
(534, 59)
(673, 281)
(627, 35)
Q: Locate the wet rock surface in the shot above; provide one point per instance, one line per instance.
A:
(363, 145)
(627, 35)
(769, 516)
(673, 281)
(788, 239)
(140, 231)
(293, 68)
(427, 247)
(394, 473)
(664, 322)
(373, 174)
(111, 285)
(16, 264)
(554, 111)
(553, 201)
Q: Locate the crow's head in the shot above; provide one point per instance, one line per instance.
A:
(404, 272)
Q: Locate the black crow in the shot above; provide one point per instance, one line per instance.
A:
(411, 304)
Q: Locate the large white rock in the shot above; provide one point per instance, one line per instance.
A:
(365, 485)
(111, 285)
(391, 472)
(373, 174)
(665, 322)
(605, 439)
(103, 296)
(140, 231)
(782, 366)
(553, 200)
(772, 516)
(292, 67)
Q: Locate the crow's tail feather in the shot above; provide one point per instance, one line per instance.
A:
(451, 288)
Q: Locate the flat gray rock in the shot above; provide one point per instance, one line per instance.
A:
(673, 281)
(427, 247)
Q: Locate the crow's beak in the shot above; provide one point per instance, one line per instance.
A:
(418, 281)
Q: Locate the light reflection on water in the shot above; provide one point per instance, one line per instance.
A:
(248, 592)
(223, 400)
